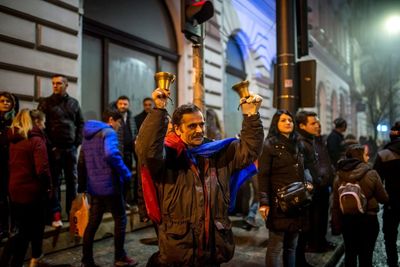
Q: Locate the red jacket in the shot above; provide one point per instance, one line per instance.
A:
(29, 166)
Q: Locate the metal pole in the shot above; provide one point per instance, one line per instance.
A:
(288, 95)
(198, 76)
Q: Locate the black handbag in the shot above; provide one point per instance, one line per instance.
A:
(294, 197)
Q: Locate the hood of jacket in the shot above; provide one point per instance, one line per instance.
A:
(92, 127)
(394, 146)
(14, 136)
(352, 170)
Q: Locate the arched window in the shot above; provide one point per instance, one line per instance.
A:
(122, 50)
(235, 72)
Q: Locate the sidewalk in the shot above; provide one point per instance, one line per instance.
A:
(250, 249)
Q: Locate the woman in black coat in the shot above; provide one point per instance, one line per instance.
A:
(280, 164)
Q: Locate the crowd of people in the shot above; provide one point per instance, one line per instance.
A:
(186, 180)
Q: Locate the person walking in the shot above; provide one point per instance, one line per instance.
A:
(29, 185)
(359, 230)
(387, 164)
(64, 123)
(102, 174)
(191, 176)
(280, 164)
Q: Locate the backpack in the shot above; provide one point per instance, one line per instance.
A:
(351, 199)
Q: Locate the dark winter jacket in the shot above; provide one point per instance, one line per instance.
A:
(29, 178)
(183, 191)
(280, 164)
(353, 170)
(387, 164)
(336, 146)
(5, 122)
(325, 169)
(139, 119)
(101, 170)
(64, 121)
(310, 155)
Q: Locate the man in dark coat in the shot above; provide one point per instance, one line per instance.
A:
(335, 142)
(192, 179)
(387, 164)
(64, 123)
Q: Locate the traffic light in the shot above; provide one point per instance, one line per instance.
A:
(194, 13)
(302, 28)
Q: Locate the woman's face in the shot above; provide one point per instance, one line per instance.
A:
(285, 125)
(5, 104)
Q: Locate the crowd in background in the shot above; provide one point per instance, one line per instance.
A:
(39, 151)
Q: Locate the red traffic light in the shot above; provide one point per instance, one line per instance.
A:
(199, 12)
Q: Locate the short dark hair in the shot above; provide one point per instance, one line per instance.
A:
(60, 75)
(122, 97)
(147, 99)
(340, 123)
(302, 116)
(355, 151)
(273, 129)
(111, 113)
(181, 110)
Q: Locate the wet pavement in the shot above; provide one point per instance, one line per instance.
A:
(250, 249)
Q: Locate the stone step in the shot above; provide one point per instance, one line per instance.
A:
(60, 239)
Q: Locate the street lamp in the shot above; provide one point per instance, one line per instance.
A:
(392, 24)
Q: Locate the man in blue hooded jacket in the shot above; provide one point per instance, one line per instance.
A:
(102, 173)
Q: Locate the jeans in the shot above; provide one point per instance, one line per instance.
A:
(359, 235)
(279, 242)
(64, 160)
(98, 205)
(391, 220)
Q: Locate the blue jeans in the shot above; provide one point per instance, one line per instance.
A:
(279, 242)
(98, 205)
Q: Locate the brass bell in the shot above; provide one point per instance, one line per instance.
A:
(242, 89)
(164, 80)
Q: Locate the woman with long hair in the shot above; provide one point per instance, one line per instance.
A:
(280, 164)
(29, 182)
(359, 231)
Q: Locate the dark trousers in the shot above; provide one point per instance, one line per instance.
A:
(278, 242)
(29, 220)
(64, 161)
(359, 234)
(391, 220)
(98, 205)
(319, 210)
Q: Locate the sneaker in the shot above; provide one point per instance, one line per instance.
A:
(126, 261)
(57, 220)
(57, 224)
(35, 262)
(252, 222)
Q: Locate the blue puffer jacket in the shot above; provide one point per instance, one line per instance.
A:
(101, 168)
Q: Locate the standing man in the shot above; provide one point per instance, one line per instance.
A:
(192, 177)
(102, 173)
(64, 123)
(387, 164)
(307, 123)
(147, 107)
(335, 142)
(125, 139)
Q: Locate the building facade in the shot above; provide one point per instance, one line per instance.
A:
(110, 48)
